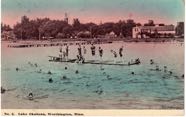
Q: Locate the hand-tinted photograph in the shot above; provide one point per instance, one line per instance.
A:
(92, 54)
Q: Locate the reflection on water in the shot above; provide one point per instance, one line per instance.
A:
(95, 86)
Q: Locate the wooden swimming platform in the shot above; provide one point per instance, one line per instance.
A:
(96, 62)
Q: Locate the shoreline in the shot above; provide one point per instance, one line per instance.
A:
(103, 39)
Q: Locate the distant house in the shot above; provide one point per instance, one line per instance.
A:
(153, 31)
(111, 35)
(7, 35)
(84, 34)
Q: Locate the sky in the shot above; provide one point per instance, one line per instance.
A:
(97, 11)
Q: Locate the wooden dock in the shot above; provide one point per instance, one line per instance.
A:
(41, 45)
(58, 59)
(50, 44)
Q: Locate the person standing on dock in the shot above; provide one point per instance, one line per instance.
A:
(79, 51)
(121, 53)
(64, 55)
(100, 52)
(115, 54)
(84, 50)
(93, 50)
(67, 50)
(60, 53)
(80, 57)
(61, 49)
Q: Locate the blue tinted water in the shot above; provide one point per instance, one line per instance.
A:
(113, 87)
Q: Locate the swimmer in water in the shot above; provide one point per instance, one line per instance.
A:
(77, 72)
(17, 69)
(35, 64)
(165, 68)
(30, 96)
(3, 90)
(50, 80)
(49, 72)
(151, 61)
(157, 68)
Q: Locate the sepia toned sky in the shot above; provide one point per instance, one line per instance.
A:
(161, 11)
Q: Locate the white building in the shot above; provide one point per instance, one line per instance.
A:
(147, 31)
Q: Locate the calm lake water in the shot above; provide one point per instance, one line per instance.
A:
(112, 88)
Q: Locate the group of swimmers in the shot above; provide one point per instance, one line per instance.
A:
(157, 68)
(80, 57)
(31, 96)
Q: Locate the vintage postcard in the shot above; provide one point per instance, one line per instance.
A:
(92, 57)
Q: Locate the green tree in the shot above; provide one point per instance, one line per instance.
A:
(127, 28)
(150, 23)
(180, 29)
(5, 27)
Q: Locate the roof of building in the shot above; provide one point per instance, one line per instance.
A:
(158, 28)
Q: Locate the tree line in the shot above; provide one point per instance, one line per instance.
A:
(46, 28)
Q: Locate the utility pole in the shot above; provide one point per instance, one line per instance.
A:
(66, 18)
